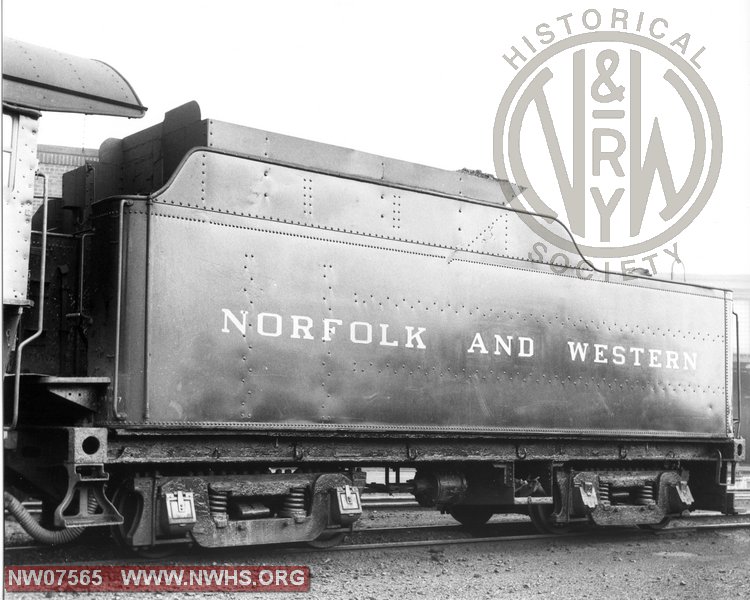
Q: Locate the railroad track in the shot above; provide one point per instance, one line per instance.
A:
(624, 532)
(436, 535)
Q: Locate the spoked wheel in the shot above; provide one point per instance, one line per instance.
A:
(471, 516)
(541, 517)
(656, 526)
(130, 505)
(328, 539)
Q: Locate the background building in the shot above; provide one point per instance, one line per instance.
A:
(54, 161)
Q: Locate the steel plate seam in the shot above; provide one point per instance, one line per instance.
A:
(236, 425)
(273, 231)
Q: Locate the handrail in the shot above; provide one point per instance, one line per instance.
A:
(81, 266)
(40, 307)
(118, 322)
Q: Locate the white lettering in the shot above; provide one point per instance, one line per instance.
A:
(525, 347)
(229, 316)
(297, 577)
(328, 329)
(636, 352)
(411, 337)
(505, 343)
(384, 336)
(578, 349)
(599, 353)
(353, 332)
(478, 343)
(361, 332)
(618, 358)
(262, 324)
(298, 327)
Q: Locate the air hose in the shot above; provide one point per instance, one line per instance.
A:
(34, 529)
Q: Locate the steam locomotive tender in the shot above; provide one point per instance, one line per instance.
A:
(227, 325)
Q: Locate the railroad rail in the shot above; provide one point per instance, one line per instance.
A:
(509, 531)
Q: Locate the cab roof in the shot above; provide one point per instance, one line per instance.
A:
(42, 79)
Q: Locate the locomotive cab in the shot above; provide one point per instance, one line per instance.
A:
(52, 452)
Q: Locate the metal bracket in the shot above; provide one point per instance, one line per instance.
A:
(348, 507)
(299, 453)
(180, 507)
(587, 490)
(94, 508)
(719, 465)
(684, 493)
(179, 512)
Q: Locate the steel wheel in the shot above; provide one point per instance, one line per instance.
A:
(656, 526)
(541, 517)
(328, 539)
(130, 505)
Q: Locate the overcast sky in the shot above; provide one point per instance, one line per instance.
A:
(419, 81)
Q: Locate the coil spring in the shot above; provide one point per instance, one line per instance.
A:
(294, 503)
(604, 498)
(217, 501)
(92, 504)
(645, 495)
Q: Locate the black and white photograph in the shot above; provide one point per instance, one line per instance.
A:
(374, 300)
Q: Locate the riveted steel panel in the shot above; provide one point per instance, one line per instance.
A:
(102, 348)
(147, 159)
(59, 352)
(240, 286)
(231, 184)
(318, 157)
(19, 206)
